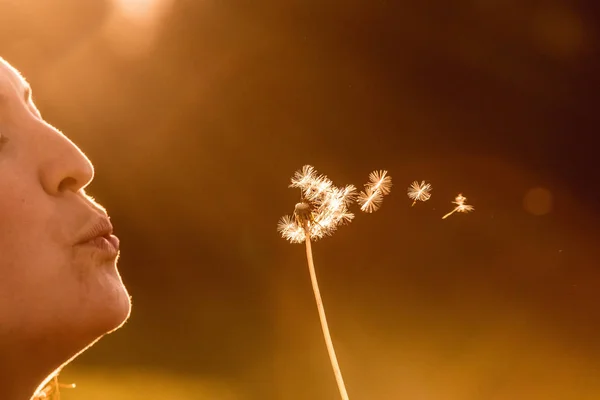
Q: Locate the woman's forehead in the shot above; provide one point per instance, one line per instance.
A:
(10, 77)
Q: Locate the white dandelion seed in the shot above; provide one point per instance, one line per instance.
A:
(290, 230)
(419, 191)
(304, 178)
(370, 200)
(460, 206)
(379, 180)
(379, 185)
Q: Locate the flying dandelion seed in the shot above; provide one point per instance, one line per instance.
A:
(378, 186)
(419, 191)
(460, 206)
(322, 209)
(380, 180)
(370, 200)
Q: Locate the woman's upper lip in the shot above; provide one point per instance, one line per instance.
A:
(97, 228)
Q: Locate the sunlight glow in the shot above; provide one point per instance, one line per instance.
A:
(135, 23)
(146, 11)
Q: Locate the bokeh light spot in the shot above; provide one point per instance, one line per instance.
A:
(538, 201)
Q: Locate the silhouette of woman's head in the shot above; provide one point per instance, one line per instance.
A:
(60, 290)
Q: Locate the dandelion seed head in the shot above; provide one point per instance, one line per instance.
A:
(315, 188)
(332, 209)
(323, 209)
(302, 212)
(349, 194)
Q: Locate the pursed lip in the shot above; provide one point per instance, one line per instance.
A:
(100, 234)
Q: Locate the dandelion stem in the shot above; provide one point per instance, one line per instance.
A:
(324, 326)
(450, 213)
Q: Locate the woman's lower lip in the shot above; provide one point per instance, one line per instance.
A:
(114, 241)
(106, 244)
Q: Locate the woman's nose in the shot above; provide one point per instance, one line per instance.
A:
(64, 166)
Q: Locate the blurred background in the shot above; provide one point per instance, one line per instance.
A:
(197, 113)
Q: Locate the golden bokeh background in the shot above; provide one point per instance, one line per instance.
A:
(197, 113)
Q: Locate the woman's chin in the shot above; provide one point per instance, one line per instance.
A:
(111, 309)
(105, 305)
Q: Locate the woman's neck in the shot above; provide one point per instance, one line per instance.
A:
(22, 375)
(19, 387)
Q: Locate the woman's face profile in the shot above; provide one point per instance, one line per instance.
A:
(59, 285)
